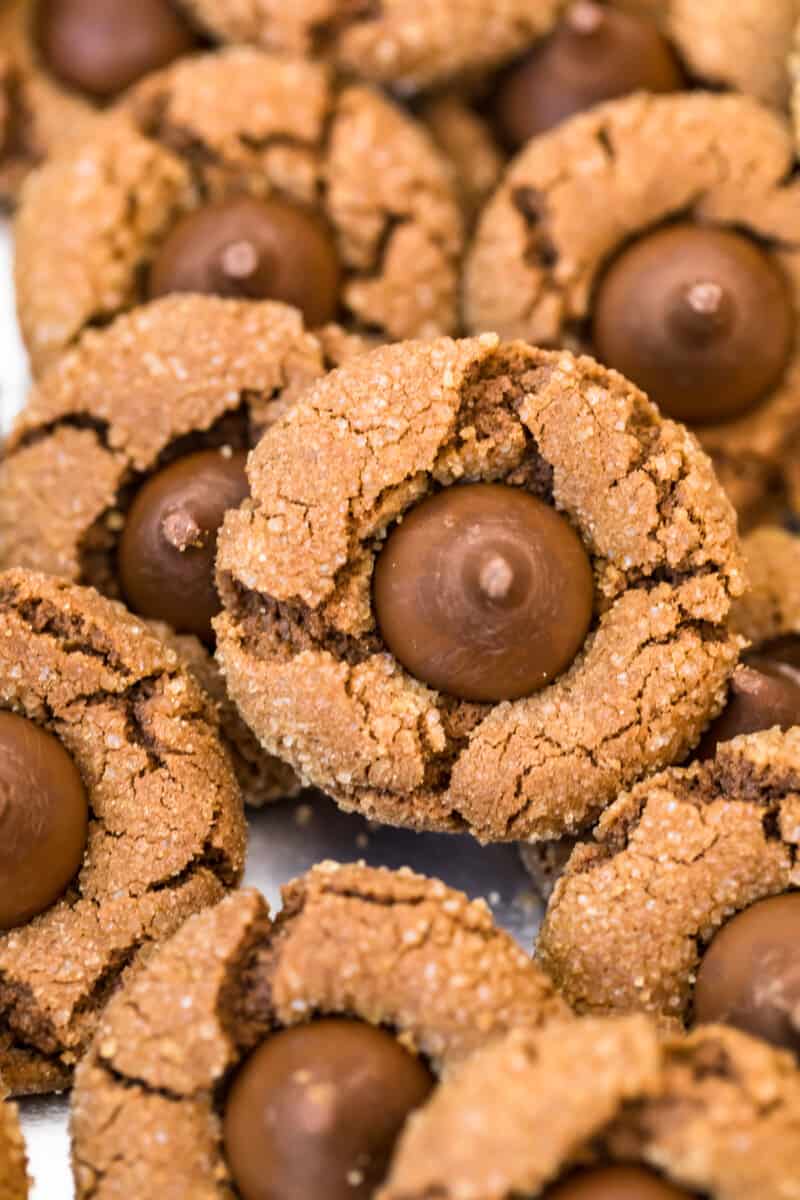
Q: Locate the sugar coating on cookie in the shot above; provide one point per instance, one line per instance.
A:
(166, 833)
(715, 1113)
(242, 121)
(14, 1179)
(535, 264)
(299, 642)
(389, 948)
(671, 862)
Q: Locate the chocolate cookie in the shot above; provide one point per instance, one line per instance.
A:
(13, 1162)
(250, 176)
(119, 810)
(384, 967)
(690, 862)
(184, 380)
(606, 1109)
(479, 701)
(687, 280)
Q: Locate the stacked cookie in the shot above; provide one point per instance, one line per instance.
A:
(404, 375)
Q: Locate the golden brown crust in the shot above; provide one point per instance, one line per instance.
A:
(389, 947)
(716, 1112)
(166, 831)
(671, 861)
(535, 258)
(299, 644)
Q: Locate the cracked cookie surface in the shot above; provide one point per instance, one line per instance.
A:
(671, 861)
(387, 947)
(13, 1160)
(166, 830)
(299, 643)
(716, 1112)
(241, 121)
(177, 375)
(535, 260)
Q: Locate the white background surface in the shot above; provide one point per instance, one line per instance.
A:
(285, 840)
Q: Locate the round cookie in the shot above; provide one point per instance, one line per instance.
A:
(299, 639)
(465, 138)
(165, 828)
(769, 611)
(387, 948)
(322, 168)
(14, 1179)
(673, 862)
(556, 1112)
(537, 269)
(173, 378)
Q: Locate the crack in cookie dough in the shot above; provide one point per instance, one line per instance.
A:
(386, 947)
(716, 1112)
(241, 121)
(166, 833)
(736, 171)
(671, 861)
(299, 643)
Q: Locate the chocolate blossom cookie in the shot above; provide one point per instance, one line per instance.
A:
(246, 175)
(478, 587)
(293, 1050)
(119, 469)
(687, 280)
(607, 1109)
(119, 812)
(13, 1159)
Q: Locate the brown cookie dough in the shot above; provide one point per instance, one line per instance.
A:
(716, 1113)
(13, 1161)
(536, 261)
(672, 861)
(299, 642)
(166, 832)
(220, 126)
(388, 948)
(465, 137)
(171, 378)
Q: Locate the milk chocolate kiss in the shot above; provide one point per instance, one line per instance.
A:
(596, 53)
(315, 1112)
(483, 592)
(44, 817)
(252, 249)
(761, 695)
(616, 1183)
(700, 318)
(102, 47)
(169, 543)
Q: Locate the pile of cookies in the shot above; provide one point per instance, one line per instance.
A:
(415, 418)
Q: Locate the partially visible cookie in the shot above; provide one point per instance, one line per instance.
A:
(247, 175)
(677, 276)
(607, 1107)
(97, 711)
(770, 608)
(14, 1179)
(436, 707)
(398, 956)
(465, 137)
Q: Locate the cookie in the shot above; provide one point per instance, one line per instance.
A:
(246, 175)
(405, 711)
(465, 138)
(385, 949)
(140, 819)
(171, 380)
(642, 915)
(13, 1161)
(603, 1108)
(659, 284)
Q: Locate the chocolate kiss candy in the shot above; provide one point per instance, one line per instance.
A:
(484, 592)
(253, 249)
(700, 318)
(616, 1183)
(169, 543)
(102, 47)
(44, 817)
(315, 1112)
(750, 974)
(594, 54)
(762, 694)
(781, 652)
